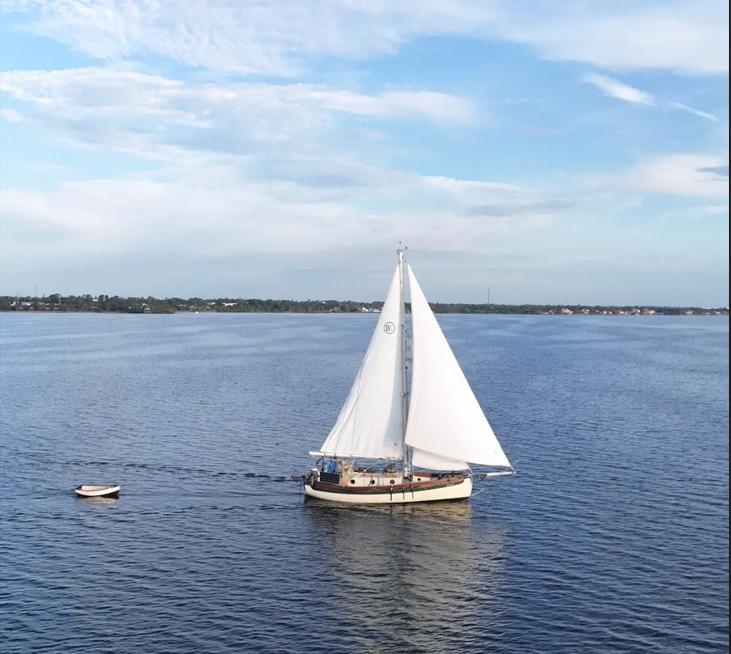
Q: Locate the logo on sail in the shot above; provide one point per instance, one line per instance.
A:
(389, 328)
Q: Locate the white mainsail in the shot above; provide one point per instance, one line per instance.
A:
(446, 426)
(370, 423)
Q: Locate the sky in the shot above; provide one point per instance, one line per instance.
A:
(541, 152)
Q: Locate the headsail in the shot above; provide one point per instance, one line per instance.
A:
(446, 424)
(370, 422)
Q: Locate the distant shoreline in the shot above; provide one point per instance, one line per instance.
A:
(126, 305)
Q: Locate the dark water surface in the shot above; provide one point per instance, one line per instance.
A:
(613, 537)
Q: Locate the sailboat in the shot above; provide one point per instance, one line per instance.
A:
(406, 435)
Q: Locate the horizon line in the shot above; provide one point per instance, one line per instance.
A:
(213, 301)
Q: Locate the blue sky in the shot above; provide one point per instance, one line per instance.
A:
(553, 152)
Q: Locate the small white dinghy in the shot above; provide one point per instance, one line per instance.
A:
(97, 490)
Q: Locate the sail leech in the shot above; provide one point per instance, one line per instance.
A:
(446, 425)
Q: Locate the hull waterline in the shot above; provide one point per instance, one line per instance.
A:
(456, 491)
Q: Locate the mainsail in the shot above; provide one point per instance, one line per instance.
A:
(370, 423)
(446, 426)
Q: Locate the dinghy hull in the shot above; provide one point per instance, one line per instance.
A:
(97, 490)
(449, 490)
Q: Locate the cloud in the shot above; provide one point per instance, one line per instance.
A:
(502, 201)
(131, 111)
(280, 37)
(616, 89)
(681, 36)
(549, 207)
(205, 214)
(251, 153)
(694, 175)
(695, 112)
(719, 171)
(277, 37)
(211, 235)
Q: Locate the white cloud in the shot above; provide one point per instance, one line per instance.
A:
(121, 107)
(695, 112)
(616, 89)
(246, 165)
(202, 213)
(210, 231)
(685, 36)
(262, 38)
(282, 37)
(693, 175)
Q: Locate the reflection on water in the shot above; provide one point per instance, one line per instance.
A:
(409, 573)
(109, 501)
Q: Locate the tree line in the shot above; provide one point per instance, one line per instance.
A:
(117, 304)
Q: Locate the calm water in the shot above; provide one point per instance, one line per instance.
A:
(613, 537)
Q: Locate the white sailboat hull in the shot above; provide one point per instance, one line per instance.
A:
(458, 491)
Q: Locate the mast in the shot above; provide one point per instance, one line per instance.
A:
(404, 390)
